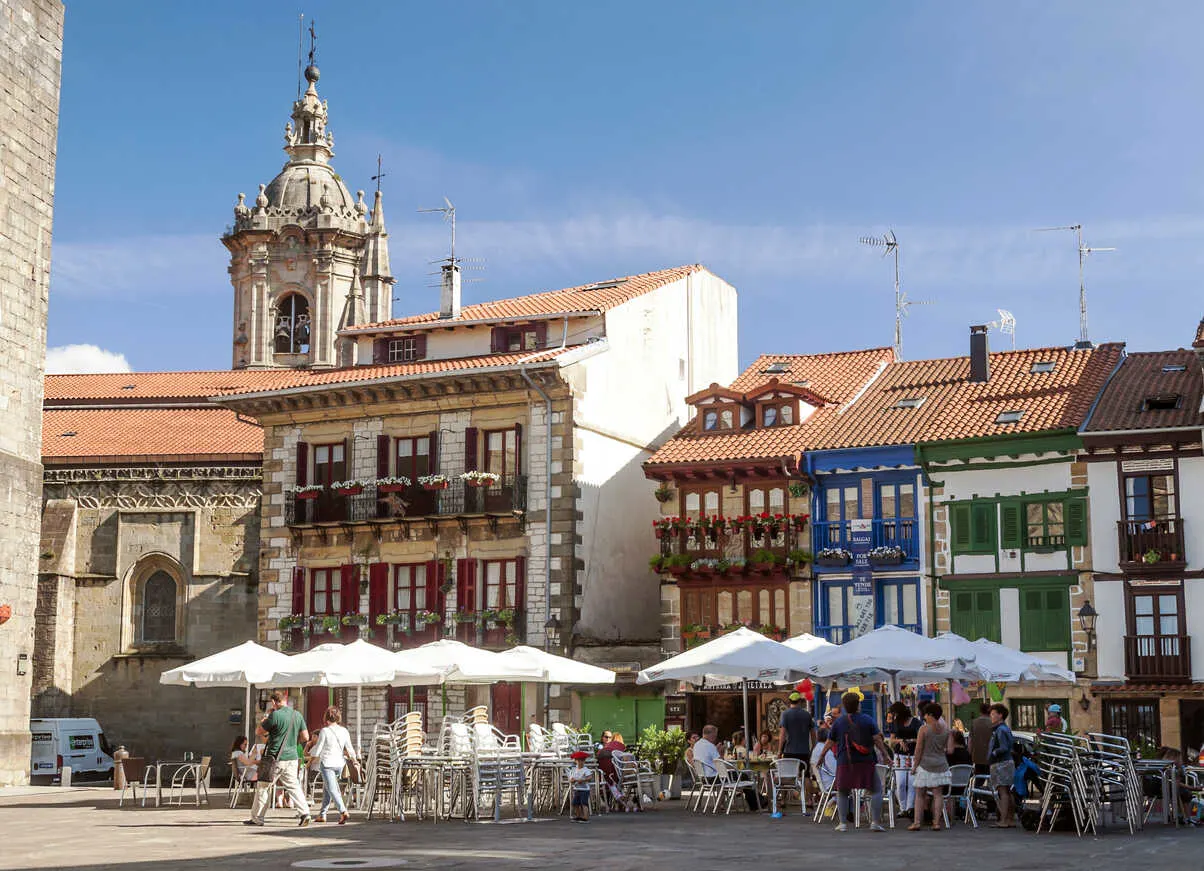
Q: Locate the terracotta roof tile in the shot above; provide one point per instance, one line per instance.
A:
(1144, 375)
(146, 432)
(149, 385)
(954, 408)
(598, 296)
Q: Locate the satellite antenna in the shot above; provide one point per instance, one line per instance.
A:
(1006, 325)
(890, 243)
(1084, 341)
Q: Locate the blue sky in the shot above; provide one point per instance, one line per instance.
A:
(585, 140)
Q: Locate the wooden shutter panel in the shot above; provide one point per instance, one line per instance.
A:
(382, 456)
(298, 590)
(349, 589)
(518, 450)
(982, 527)
(378, 591)
(433, 448)
(470, 449)
(1057, 619)
(380, 351)
(302, 464)
(433, 582)
(520, 585)
(1012, 537)
(1032, 619)
(420, 346)
(1076, 521)
(961, 613)
(497, 339)
(986, 607)
(959, 518)
(541, 334)
(465, 585)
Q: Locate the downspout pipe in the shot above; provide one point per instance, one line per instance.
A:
(932, 579)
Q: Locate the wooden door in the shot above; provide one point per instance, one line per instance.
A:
(505, 701)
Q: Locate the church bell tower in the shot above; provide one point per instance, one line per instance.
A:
(306, 259)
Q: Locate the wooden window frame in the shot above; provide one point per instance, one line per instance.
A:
(485, 452)
(976, 622)
(719, 408)
(483, 585)
(1125, 477)
(396, 587)
(334, 578)
(777, 404)
(1128, 706)
(1131, 593)
(973, 527)
(1018, 705)
(406, 349)
(709, 547)
(880, 592)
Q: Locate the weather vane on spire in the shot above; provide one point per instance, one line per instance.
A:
(380, 173)
(313, 41)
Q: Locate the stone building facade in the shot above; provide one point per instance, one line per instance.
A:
(31, 43)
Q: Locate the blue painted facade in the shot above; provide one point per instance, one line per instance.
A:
(881, 484)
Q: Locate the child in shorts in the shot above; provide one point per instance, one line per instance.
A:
(580, 780)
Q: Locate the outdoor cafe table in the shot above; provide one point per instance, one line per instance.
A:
(763, 765)
(1164, 770)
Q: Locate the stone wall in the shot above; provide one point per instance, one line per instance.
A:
(31, 43)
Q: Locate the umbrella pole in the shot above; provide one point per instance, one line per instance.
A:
(247, 722)
(744, 693)
(359, 718)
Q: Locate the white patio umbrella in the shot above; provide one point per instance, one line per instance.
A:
(1002, 663)
(462, 663)
(557, 669)
(742, 655)
(891, 654)
(245, 665)
(807, 642)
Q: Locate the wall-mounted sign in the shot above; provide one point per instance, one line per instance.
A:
(675, 707)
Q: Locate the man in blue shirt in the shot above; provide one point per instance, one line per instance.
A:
(1003, 768)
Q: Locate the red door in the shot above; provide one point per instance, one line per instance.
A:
(317, 700)
(506, 702)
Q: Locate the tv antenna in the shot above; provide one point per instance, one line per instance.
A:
(1006, 325)
(1084, 341)
(449, 214)
(890, 243)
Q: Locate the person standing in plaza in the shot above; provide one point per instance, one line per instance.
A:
(930, 768)
(1003, 766)
(853, 739)
(580, 779)
(980, 739)
(283, 729)
(797, 731)
(1054, 722)
(333, 749)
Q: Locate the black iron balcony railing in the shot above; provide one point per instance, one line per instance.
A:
(457, 499)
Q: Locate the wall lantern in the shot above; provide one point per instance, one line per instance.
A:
(1087, 618)
(552, 631)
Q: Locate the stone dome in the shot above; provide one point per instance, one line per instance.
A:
(301, 187)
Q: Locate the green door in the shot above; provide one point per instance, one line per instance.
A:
(626, 714)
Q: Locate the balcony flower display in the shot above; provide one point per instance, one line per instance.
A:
(763, 561)
(695, 633)
(394, 618)
(480, 479)
(307, 491)
(665, 526)
(704, 566)
(348, 488)
(657, 564)
(433, 482)
(466, 617)
(678, 564)
(722, 567)
(293, 621)
(354, 618)
(737, 565)
(393, 484)
(777, 633)
(833, 556)
(328, 623)
(798, 558)
(886, 555)
(428, 618)
(1152, 557)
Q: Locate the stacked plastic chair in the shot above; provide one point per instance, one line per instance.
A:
(1066, 783)
(1111, 763)
(378, 776)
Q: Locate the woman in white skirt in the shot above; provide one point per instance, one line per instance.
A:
(930, 771)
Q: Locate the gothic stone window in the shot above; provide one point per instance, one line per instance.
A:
(292, 325)
(159, 609)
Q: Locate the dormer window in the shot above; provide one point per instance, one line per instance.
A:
(1162, 402)
(407, 349)
(529, 337)
(777, 414)
(718, 419)
(1042, 366)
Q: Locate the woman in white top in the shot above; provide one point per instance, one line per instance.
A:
(332, 750)
(246, 762)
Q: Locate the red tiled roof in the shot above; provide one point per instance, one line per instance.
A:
(149, 385)
(146, 432)
(1144, 375)
(955, 408)
(836, 377)
(598, 296)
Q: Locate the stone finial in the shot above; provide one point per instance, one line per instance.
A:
(288, 133)
(361, 208)
(261, 201)
(240, 208)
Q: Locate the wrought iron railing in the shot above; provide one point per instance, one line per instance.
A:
(458, 498)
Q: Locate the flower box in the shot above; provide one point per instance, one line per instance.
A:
(391, 488)
(832, 561)
(678, 571)
(880, 561)
(763, 568)
(480, 479)
(435, 485)
(350, 491)
(703, 571)
(307, 494)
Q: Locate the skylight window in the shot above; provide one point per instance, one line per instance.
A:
(603, 285)
(909, 402)
(68, 434)
(1009, 417)
(1162, 402)
(1042, 366)
(130, 387)
(776, 368)
(1174, 367)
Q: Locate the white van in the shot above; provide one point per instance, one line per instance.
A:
(76, 742)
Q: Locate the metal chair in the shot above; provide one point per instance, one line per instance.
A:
(635, 778)
(243, 780)
(959, 788)
(199, 775)
(136, 775)
(787, 776)
(704, 787)
(732, 781)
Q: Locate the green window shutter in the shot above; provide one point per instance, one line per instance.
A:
(982, 527)
(1057, 619)
(1076, 522)
(959, 519)
(986, 608)
(1032, 619)
(1012, 523)
(961, 613)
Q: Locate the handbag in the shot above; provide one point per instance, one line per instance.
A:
(355, 771)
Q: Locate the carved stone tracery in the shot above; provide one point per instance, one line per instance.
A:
(164, 488)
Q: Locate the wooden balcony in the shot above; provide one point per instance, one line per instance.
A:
(1152, 546)
(1158, 658)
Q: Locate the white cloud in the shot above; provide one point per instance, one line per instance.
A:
(84, 359)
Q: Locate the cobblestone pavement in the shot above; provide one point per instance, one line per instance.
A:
(84, 829)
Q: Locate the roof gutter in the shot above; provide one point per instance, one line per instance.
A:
(458, 322)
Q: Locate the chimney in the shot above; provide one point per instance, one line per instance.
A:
(449, 291)
(980, 356)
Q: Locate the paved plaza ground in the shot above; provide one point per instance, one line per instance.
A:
(83, 828)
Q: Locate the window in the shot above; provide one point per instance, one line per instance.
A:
(1174, 367)
(403, 700)
(1162, 402)
(836, 613)
(1028, 715)
(501, 448)
(1150, 497)
(409, 591)
(899, 604)
(909, 402)
(973, 527)
(1009, 417)
(777, 415)
(159, 609)
(896, 500)
(1135, 719)
(1044, 619)
(1044, 522)
(718, 417)
(413, 457)
(330, 465)
(520, 339)
(1042, 367)
(501, 584)
(768, 500)
(404, 350)
(974, 614)
(1155, 615)
(324, 593)
(292, 325)
(710, 420)
(769, 416)
(696, 504)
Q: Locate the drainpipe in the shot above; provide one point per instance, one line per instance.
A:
(932, 580)
(547, 501)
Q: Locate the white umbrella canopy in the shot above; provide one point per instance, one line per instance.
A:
(462, 663)
(807, 642)
(891, 654)
(242, 666)
(739, 655)
(348, 665)
(1002, 663)
(558, 669)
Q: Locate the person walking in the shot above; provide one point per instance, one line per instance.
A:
(797, 731)
(332, 750)
(930, 770)
(283, 729)
(980, 739)
(853, 739)
(1003, 767)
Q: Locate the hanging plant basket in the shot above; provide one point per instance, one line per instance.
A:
(391, 488)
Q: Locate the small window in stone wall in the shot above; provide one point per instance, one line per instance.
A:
(159, 609)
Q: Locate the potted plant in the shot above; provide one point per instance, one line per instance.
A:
(433, 482)
(354, 618)
(777, 633)
(480, 479)
(348, 488)
(393, 484)
(704, 567)
(466, 617)
(722, 567)
(291, 622)
(737, 565)
(678, 564)
(512, 636)
(394, 618)
(488, 618)
(833, 556)
(798, 558)
(1152, 556)
(663, 493)
(797, 489)
(657, 564)
(328, 623)
(663, 750)
(762, 561)
(886, 555)
(427, 618)
(308, 491)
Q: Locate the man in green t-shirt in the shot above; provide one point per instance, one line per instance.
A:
(282, 730)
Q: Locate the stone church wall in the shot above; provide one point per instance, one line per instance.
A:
(31, 44)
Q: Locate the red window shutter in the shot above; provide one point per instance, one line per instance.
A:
(466, 585)
(378, 591)
(380, 351)
(470, 449)
(347, 476)
(520, 584)
(420, 346)
(434, 570)
(497, 339)
(302, 464)
(433, 463)
(382, 456)
(349, 589)
(518, 450)
(298, 590)
(541, 334)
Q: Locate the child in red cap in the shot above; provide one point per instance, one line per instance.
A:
(580, 779)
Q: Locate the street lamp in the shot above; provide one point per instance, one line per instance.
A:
(552, 631)
(1087, 618)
